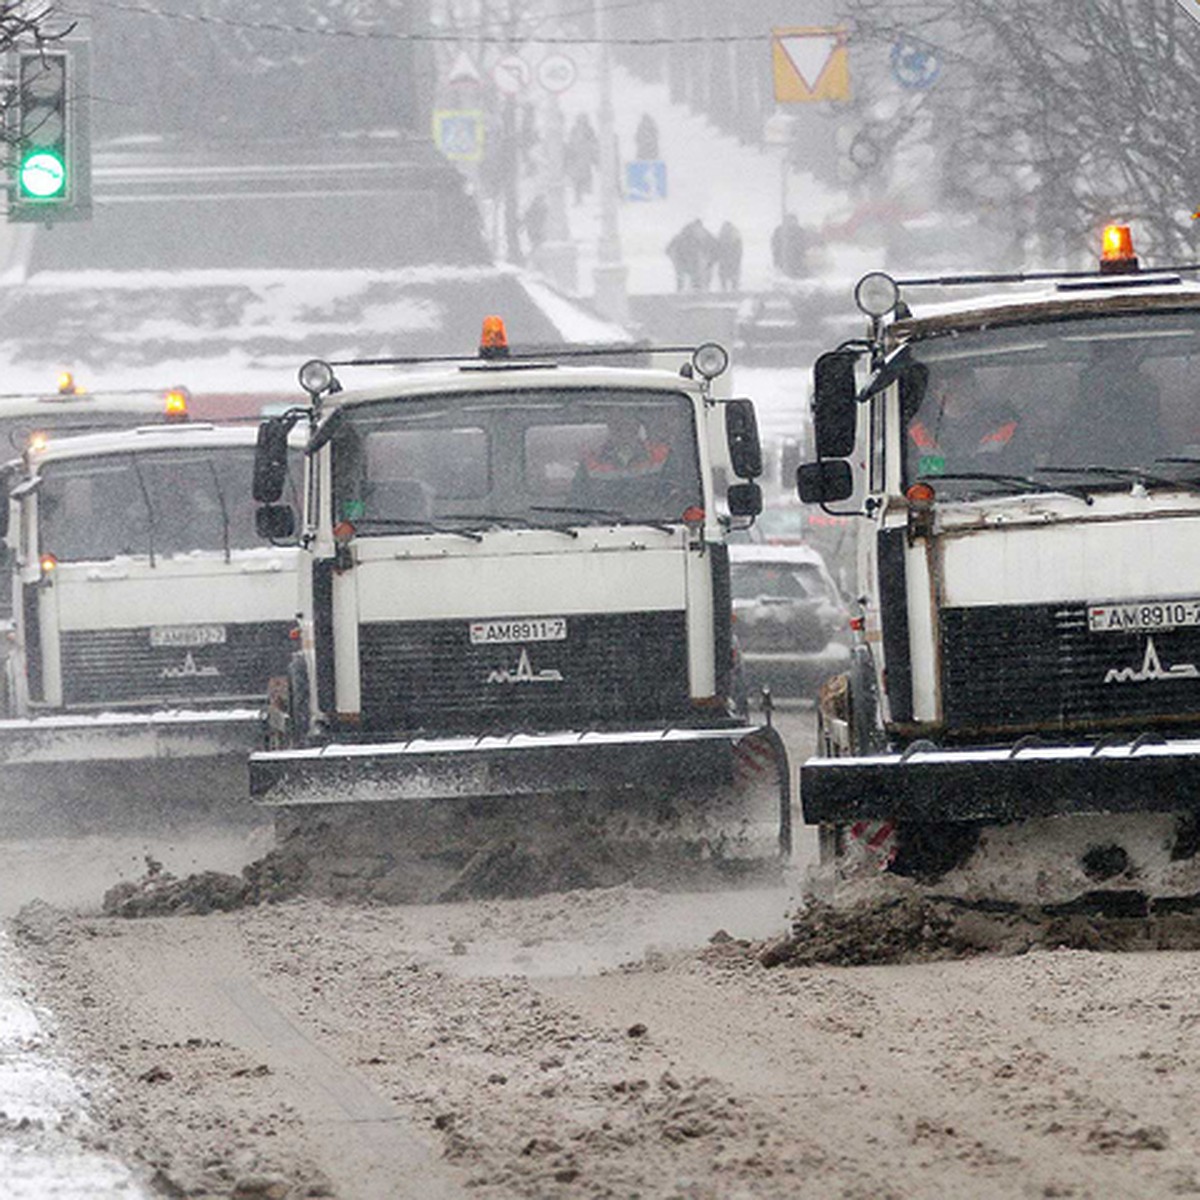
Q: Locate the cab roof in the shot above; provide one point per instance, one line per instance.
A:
(136, 402)
(499, 375)
(1095, 296)
(144, 438)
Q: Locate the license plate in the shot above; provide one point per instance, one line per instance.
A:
(1142, 615)
(527, 629)
(187, 635)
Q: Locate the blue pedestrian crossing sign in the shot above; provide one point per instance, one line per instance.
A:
(646, 179)
(458, 133)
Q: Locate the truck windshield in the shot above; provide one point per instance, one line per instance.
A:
(545, 456)
(1055, 402)
(163, 503)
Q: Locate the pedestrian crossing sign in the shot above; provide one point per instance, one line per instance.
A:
(810, 63)
(646, 179)
(458, 133)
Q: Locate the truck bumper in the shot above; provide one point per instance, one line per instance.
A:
(1008, 784)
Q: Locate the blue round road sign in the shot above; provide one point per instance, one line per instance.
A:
(914, 63)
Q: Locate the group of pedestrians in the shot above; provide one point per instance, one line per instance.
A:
(698, 255)
(701, 257)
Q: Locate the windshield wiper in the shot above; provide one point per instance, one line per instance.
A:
(1126, 475)
(512, 519)
(141, 479)
(606, 514)
(1023, 483)
(224, 509)
(416, 523)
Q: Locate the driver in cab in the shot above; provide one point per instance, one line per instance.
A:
(956, 428)
(627, 452)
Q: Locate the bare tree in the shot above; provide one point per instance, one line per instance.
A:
(1050, 117)
(27, 26)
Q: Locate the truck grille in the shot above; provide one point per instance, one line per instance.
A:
(1006, 666)
(617, 670)
(120, 666)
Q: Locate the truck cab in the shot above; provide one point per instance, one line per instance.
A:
(515, 582)
(1025, 466)
(149, 614)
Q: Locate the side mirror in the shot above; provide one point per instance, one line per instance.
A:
(744, 499)
(275, 522)
(8, 477)
(835, 410)
(271, 459)
(825, 481)
(741, 432)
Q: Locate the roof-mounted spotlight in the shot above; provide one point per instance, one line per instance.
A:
(876, 294)
(709, 360)
(317, 377)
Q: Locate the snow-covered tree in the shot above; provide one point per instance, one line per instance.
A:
(1047, 117)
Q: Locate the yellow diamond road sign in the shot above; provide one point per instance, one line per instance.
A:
(810, 63)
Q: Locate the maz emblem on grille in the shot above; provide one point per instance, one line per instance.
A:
(525, 673)
(188, 670)
(1152, 669)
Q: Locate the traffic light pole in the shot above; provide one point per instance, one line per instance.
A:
(610, 275)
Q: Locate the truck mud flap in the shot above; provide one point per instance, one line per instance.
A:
(1007, 784)
(517, 765)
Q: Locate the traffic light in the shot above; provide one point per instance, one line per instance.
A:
(51, 172)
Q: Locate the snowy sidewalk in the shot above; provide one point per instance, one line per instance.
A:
(43, 1112)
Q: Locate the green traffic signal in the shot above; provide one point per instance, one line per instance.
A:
(42, 175)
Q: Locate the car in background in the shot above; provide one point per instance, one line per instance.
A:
(790, 623)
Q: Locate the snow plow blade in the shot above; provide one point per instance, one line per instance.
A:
(514, 765)
(1004, 784)
(129, 736)
(565, 809)
(110, 771)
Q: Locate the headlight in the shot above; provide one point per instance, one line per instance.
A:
(876, 294)
(316, 376)
(710, 360)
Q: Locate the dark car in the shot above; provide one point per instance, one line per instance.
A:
(791, 626)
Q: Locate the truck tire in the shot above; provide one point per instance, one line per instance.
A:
(299, 712)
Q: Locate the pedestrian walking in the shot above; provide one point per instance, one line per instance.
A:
(729, 257)
(790, 246)
(645, 139)
(534, 221)
(693, 252)
(582, 156)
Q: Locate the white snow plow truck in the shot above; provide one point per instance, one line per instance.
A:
(516, 624)
(149, 616)
(1020, 723)
(28, 419)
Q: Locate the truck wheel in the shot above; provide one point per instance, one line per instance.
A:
(833, 730)
(297, 699)
(830, 844)
(925, 851)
